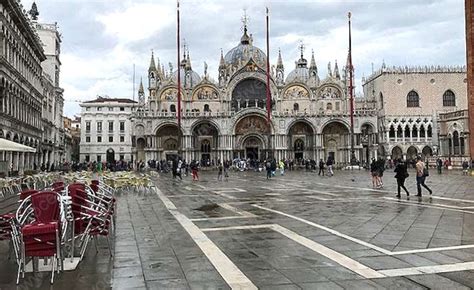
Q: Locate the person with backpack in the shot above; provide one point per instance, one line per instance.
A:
(281, 164)
(401, 173)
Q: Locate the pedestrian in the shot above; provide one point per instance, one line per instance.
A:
(401, 173)
(374, 173)
(219, 171)
(329, 163)
(439, 165)
(321, 167)
(274, 167)
(268, 168)
(193, 166)
(282, 167)
(380, 170)
(465, 167)
(226, 169)
(421, 174)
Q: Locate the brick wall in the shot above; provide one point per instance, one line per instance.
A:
(470, 68)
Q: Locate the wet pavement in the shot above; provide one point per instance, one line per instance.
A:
(298, 231)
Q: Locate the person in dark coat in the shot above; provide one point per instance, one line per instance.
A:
(401, 173)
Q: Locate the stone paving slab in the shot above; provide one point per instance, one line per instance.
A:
(342, 215)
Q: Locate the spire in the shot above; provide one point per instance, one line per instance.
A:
(302, 62)
(280, 60)
(152, 62)
(329, 69)
(188, 61)
(140, 89)
(336, 71)
(158, 65)
(34, 11)
(222, 62)
(313, 61)
(245, 39)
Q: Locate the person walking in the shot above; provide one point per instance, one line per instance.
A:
(268, 168)
(401, 173)
(220, 168)
(421, 174)
(439, 165)
(329, 163)
(374, 173)
(281, 164)
(321, 167)
(465, 167)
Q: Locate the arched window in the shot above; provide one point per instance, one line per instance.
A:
(391, 132)
(449, 99)
(381, 100)
(429, 132)
(329, 106)
(399, 131)
(206, 108)
(413, 100)
(422, 131)
(296, 107)
(407, 131)
(173, 108)
(456, 142)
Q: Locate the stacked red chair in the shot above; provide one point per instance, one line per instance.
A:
(40, 237)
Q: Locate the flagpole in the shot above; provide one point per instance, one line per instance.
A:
(351, 92)
(178, 65)
(269, 108)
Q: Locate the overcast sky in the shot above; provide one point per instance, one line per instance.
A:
(102, 39)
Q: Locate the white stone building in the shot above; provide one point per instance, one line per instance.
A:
(106, 134)
(226, 119)
(411, 103)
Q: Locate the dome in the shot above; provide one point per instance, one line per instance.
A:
(189, 78)
(244, 51)
(298, 74)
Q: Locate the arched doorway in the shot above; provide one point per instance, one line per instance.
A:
(110, 155)
(336, 139)
(256, 126)
(205, 142)
(301, 136)
(141, 144)
(427, 151)
(412, 153)
(169, 141)
(253, 145)
(397, 153)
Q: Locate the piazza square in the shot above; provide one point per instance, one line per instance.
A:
(299, 145)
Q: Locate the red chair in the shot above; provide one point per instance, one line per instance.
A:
(57, 184)
(41, 236)
(25, 193)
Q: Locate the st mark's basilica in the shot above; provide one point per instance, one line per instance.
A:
(226, 119)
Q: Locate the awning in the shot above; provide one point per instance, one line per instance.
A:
(7, 145)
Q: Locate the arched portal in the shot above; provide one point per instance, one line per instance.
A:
(412, 153)
(205, 142)
(169, 141)
(301, 136)
(336, 139)
(253, 146)
(427, 151)
(252, 125)
(397, 153)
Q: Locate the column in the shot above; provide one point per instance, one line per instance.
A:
(411, 134)
(375, 154)
(388, 136)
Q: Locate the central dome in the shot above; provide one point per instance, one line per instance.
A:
(244, 52)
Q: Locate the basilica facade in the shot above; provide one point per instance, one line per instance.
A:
(226, 119)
